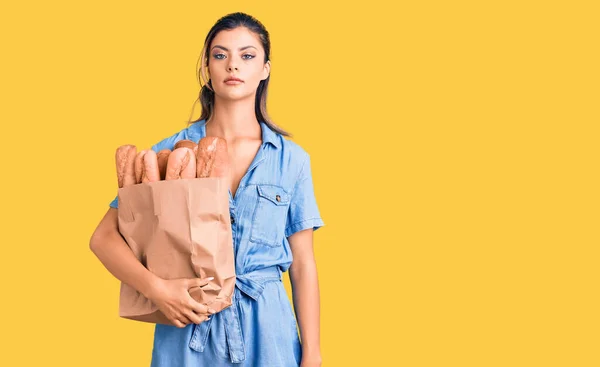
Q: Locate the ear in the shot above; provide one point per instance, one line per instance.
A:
(266, 70)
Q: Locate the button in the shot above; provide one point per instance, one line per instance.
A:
(232, 220)
(277, 197)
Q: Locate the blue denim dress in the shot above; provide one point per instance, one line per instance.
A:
(275, 199)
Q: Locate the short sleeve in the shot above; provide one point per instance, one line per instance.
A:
(167, 143)
(304, 212)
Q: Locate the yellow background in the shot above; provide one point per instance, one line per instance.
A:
(455, 159)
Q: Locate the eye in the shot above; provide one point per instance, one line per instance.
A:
(251, 56)
(216, 56)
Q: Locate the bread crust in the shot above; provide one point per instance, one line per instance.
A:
(125, 162)
(181, 164)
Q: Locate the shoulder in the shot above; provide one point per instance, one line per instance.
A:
(191, 132)
(195, 131)
(293, 155)
(296, 160)
(293, 149)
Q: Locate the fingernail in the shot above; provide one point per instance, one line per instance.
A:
(210, 278)
(211, 310)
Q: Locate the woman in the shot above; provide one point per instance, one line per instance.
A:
(273, 215)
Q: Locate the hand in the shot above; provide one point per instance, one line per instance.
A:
(311, 360)
(174, 300)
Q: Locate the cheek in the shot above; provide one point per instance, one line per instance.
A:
(212, 74)
(257, 76)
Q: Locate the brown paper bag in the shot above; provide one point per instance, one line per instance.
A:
(178, 229)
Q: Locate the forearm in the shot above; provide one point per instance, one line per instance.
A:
(305, 294)
(116, 256)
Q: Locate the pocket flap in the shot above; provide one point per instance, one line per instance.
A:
(274, 193)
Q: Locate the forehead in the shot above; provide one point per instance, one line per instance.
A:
(235, 38)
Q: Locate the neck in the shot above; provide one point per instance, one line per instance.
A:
(233, 119)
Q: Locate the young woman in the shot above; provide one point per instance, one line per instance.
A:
(273, 215)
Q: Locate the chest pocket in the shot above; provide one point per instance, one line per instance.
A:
(270, 214)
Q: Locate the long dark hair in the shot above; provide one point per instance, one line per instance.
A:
(207, 95)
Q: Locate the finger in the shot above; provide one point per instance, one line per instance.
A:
(199, 308)
(195, 318)
(198, 282)
(178, 323)
(183, 319)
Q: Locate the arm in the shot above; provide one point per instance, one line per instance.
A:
(114, 253)
(305, 290)
(303, 219)
(171, 296)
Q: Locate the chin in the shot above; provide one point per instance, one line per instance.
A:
(235, 95)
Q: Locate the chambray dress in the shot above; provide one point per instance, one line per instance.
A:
(275, 199)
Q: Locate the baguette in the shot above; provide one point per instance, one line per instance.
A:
(150, 173)
(181, 164)
(212, 159)
(221, 167)
(162, 159)
(125, 161)
(187, 144)
(139, 165)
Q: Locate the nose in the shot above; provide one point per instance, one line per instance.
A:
(231, 68)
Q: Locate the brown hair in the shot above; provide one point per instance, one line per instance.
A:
(207, 96)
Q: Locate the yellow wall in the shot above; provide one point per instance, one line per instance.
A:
(454, 150)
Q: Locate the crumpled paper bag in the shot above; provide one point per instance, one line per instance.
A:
(178, 229)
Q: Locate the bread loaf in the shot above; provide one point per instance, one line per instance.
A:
(162, 159)
(186, 144)
(181, 164)
(139, 165)
(221, 167)
(125, 161)
(212, 159)
(207, 158)
(150, 173)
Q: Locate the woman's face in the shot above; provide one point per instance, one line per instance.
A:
(237, 53)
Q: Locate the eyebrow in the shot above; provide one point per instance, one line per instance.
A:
(240, 49)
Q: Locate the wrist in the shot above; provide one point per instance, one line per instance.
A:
(312, 351)
(312, 359)
(152, 284)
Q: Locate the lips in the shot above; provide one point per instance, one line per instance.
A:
(233, 79)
